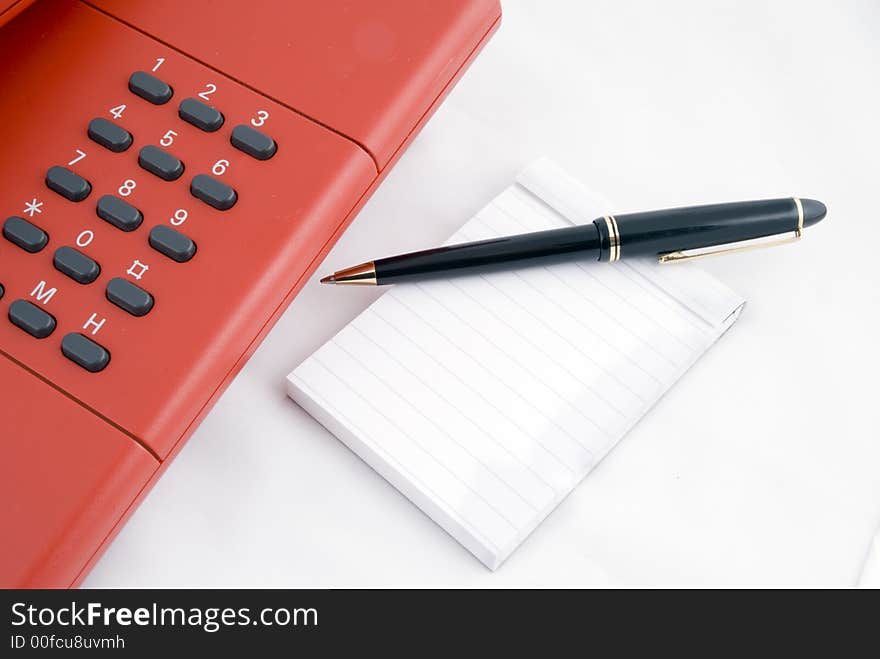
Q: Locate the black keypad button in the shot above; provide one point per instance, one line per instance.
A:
(2, 291)
(85, 352)
(125, 295)
(213, 192)
(31, 319)
(67, 184)
(109, 135)
(150, 88)
(200, 115)
(119, 213)
(253, 142)
(76, 265)
(172, 244)
(161, 163)
(29, 237)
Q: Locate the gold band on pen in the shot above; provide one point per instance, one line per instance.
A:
(800, 222)
(616, 236)
(613, 238)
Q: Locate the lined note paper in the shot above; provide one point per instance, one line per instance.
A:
(485, 399)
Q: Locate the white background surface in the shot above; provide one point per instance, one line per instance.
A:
(761, 467)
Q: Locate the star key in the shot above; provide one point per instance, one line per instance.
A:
(32, 207)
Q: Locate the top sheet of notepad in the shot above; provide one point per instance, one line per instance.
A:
(485, 399)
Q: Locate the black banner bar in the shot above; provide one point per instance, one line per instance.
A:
(417, 622)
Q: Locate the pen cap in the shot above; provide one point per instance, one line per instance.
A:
(656, 232)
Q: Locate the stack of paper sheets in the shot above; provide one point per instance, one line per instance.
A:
(485, 399)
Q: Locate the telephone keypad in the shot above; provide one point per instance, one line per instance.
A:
(119, 213)
(68, 184)
(161, 163)
(150, 88)
(76, 265)
(29, 237)
(85, 352)
(109, 135)
(252, 142)
(213, 192)
(33, 320)
(117, 210)
(200, 115)
(129, 297)
(172, 243)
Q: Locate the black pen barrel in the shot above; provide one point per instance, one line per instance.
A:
(607, 238)
(484, 254)
(655, 232)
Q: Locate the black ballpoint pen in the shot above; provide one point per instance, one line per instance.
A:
(676, 234)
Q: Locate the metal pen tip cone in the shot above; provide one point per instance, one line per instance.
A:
(329, 280)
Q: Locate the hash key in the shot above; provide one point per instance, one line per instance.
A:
(125, 295)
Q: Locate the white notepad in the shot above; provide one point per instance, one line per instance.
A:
(485, 399)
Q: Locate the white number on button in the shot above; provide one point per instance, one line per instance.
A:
(127, 187)
(210, 88)
(117, 111)
(79, 156)
(85, 238)
(220, 167)
(179, 217)
(168, 138)
(159, 62)
(260, 119)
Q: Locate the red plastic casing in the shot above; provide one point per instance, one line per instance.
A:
(346, 85)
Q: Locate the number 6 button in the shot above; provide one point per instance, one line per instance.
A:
(213, 192)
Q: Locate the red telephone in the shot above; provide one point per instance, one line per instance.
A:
(173, 172)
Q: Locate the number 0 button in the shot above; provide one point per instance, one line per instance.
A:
(76, 265)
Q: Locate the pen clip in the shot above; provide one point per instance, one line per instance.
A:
(754, 243)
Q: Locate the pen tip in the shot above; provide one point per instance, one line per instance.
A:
(329, 280)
